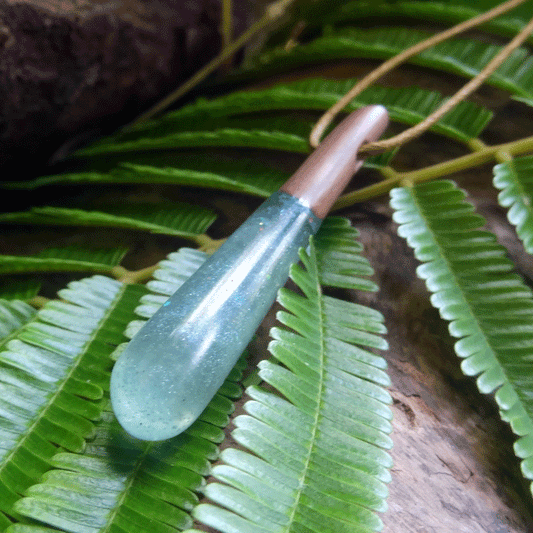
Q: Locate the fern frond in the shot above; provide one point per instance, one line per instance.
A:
(16, 288)
(489, 308)
(462, 57)
(408, 105)
(196, 170)
(270, 140)
(178, 219)
(318, 459)
(13, 315)
(515, 180)
(233, 138)
(119, 483)
(52, 376)
(448, 12)
(68, 259)
(122, 483)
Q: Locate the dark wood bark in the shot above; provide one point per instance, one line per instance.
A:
(69, 67)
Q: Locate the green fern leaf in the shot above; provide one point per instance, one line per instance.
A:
(52, 376)
(271, 140)
(448, 12)
(69, 259)
(409, 105)
(293, 140)
(15, 288)
(515, 180)
(489, 308)
(259, 182)
(13, 315)
(183, 220)
(197, 170)
(462, 57)
(119, 483)
(319, 460)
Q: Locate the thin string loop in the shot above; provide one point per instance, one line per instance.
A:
(393, 62)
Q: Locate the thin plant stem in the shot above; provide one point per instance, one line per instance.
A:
(392, 63)
(273, 12)
(393, 178)
(226, 30)
(133, 276)
(38, 301)
(207, 244)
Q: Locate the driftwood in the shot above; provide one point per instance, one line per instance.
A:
(454, 466)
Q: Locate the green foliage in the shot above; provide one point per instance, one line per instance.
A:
(118, 482)
(54, 369)
(515, 180)
(458, 56)
(70, 259)
(176, 219)
(334, 410)
(408, 105)
(111, 480)
(445, 12)
(271, 140)
(13, 288)
(196, 170)
(489, 308)
(13, 314)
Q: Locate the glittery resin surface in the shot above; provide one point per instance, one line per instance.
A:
(175, 364)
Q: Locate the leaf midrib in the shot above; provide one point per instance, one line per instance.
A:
(321, 325)
(51, 399)
(465, 299)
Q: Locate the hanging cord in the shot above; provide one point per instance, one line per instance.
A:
(392, 63)
(459, 96)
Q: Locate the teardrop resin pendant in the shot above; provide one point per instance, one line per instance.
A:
(175, 364)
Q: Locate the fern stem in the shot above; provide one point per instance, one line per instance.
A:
(38, 301)
(136, 276)
(207, 244)
(393, 178)
(400, 58)
(226, 30)
(273, 12)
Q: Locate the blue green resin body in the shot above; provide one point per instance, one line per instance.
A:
(176, 363)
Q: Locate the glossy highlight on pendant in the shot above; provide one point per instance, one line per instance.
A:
(175, 364)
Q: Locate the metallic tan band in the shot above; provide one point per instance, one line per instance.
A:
(327, 171)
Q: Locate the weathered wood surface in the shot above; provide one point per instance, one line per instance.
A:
(454, 466)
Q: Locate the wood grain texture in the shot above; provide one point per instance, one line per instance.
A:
(454, 469)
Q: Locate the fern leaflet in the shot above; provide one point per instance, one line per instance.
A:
(435, 11)
(458, 56)
(119, 483)
(489, 308)
(13, 315)
(318, 458)
(515, 180)
(409, 105)
(177, 219)
(196, 170)
(68, 259)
